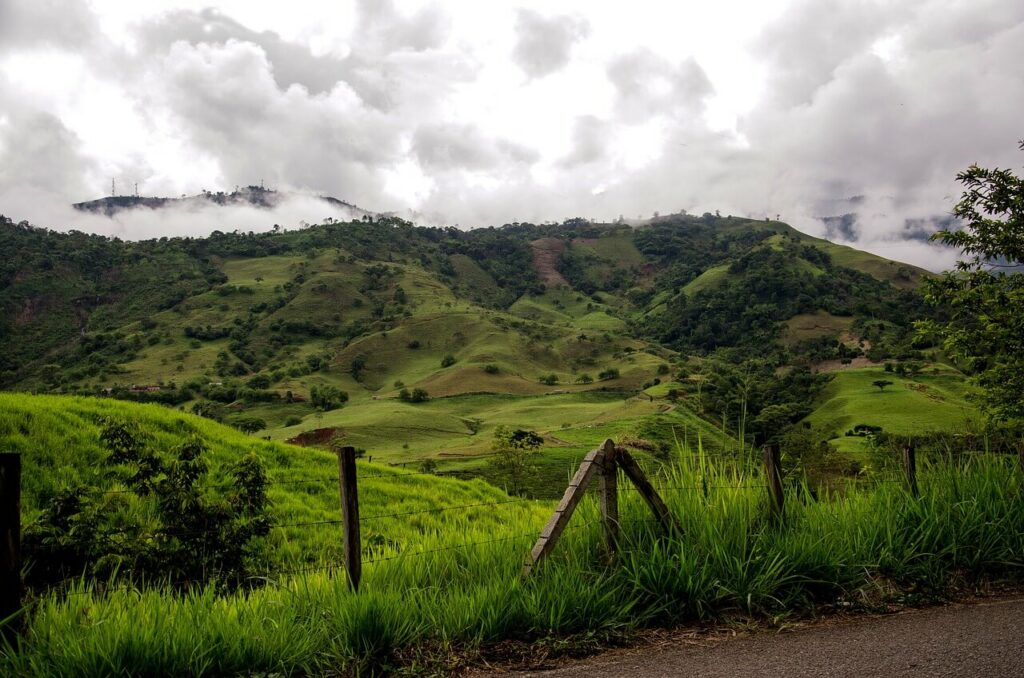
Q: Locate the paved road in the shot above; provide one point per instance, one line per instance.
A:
(972, 640)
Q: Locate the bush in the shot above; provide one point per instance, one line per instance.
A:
(327, 397)
(293, 421)
(609, 374)
(549, 379)
(448, 360)
(491, 368)
(188, 535)
(259, 381)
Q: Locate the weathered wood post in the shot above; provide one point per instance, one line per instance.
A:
(560, 518)
(350, 515)
(773, 474)
(10, 539)
(910, 468)
(647, 492)
(610, 497)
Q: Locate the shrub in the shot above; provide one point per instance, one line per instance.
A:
(327, 397)
(293, 421)
(609, 374)
(81, 531)
(448, 360)
(491, 368)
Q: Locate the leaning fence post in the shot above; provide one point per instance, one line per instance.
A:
(610, 497)
(910, 467)
(350, 514)
(10, 534)
(773, 472)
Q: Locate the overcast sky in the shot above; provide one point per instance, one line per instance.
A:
(479, 113)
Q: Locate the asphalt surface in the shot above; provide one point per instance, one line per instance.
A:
(978, 639)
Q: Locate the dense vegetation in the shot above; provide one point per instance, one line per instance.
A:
(875, 544)
(258, 330)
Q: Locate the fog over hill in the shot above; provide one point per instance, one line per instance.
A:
(514, 114)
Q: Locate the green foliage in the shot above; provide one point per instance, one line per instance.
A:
(880, 384)
(417, 395)
(549, 379)
(608, 374)
(871, 542)
(514, 456)
(188, 536)
(327, 397)
(985, 294)
(448, 360)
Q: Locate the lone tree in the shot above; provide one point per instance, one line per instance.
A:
(514, 450)
(985, 293)
(881, 383)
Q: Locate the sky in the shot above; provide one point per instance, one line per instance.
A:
(476, 113)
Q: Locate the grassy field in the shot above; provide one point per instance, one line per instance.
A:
(929, 402)
(58, 438)
(460, 587)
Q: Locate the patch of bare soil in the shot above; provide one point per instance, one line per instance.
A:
(546, 253)
(318, 436)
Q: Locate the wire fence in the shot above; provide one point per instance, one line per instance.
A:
(741, 473)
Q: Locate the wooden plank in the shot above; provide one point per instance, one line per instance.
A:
(773, 474)
(636, 474)
(350, 515)
(610, 497)
(560, 518)
(10, 541)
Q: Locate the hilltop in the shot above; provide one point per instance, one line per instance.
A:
(251, 196)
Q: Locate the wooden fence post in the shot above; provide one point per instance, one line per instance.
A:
(773, 473)
(350, 515)
(10, 539)
(560, 518)
(647, 492)
(610, 497)
(910, 467)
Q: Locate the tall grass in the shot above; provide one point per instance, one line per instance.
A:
(729, 558)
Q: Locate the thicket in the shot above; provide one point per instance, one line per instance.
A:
(165, 526)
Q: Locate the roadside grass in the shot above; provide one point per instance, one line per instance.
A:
(461, 587)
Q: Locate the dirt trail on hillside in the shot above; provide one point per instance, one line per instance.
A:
(981, 638)
(546, 252)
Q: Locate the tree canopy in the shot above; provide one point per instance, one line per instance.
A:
(985, 293)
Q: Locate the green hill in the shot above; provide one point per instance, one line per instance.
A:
(934, 400)
(577, 338)
(58, 438)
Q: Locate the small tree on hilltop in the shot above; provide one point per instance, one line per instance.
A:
(880, 384)
(514, 451)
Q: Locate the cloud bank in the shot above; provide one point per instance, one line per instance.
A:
(857, 111)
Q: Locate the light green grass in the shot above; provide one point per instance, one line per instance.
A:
(709, 279)
(58, 438)
(927, 403)
(464, 588)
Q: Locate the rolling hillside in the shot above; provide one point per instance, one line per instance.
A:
(576, 330)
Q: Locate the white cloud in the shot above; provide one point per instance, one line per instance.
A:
(483, 113)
